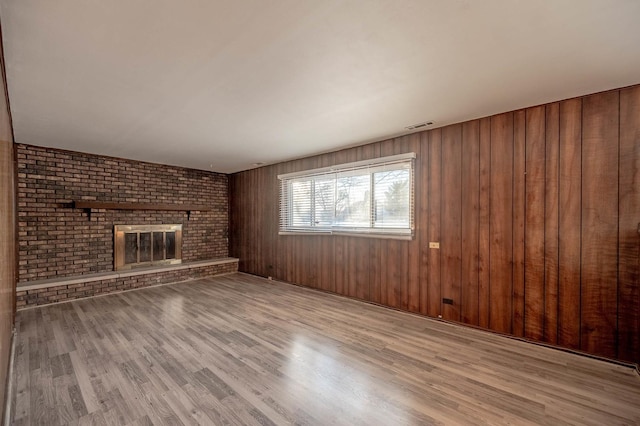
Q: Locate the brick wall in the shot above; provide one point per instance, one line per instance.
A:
(56, 240)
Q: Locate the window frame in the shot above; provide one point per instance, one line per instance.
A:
(359, 168)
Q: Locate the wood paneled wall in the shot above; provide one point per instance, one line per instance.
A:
(7, 235)
(536, 211)
(7, 260)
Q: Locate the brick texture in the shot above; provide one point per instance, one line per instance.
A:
(56, 240)
(62, 293)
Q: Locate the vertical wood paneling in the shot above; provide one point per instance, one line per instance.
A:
(451, 208)
(7, 256)
(570, 199)
(235, 221)
(279, 243)
(600, 223)
(8, 262)
(629, 228)
(375, 272)
(246, 212)
(534, 217)
(237, 218)
(434, 182)
(519, 194)
(536, 212)
(470, 221)
(311, 261)
(327, 264)
(393, 286)
(340, 264)
(552, 127)
(270, 230)
(484, 272)
(263, 230)
(354, 269)
(250, 208)
(255, 259)
(422, 220)
(501, 223)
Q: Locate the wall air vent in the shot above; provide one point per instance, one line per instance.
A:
(419, 125)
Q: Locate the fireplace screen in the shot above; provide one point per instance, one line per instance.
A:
(146, 245)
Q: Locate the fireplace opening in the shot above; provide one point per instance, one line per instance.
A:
(146, 245)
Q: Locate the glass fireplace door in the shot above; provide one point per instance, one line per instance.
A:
(146, 245)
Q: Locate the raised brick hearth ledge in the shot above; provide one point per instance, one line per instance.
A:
(43, 292)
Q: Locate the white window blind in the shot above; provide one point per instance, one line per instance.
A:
(373, 197)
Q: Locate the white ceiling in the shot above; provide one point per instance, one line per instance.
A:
(224, 84)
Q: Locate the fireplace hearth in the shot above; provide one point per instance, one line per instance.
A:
(146, 245)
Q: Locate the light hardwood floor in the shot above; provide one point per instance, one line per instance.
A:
(243, 350)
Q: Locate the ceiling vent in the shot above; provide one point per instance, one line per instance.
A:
(419, 125)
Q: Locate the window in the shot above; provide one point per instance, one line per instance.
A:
(373, 197)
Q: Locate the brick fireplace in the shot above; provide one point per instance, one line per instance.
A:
(58, 241)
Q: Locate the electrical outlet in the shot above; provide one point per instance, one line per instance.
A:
(434, 245)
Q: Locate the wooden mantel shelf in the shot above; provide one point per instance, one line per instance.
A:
(88, 206)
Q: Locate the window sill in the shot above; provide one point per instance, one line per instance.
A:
(384, 236)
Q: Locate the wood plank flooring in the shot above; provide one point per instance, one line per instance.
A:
(243, 350)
